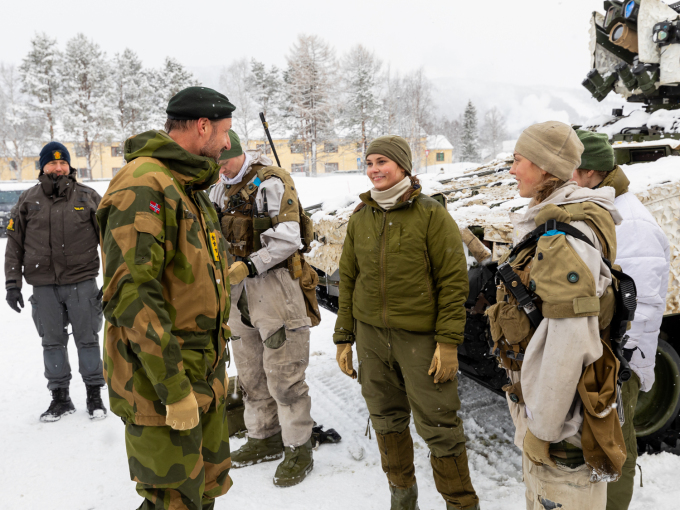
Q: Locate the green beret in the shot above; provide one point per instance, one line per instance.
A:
(598, 153)
(197, 103)
(236, 149)
(395, 148)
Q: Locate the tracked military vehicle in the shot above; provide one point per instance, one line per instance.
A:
(635, 52)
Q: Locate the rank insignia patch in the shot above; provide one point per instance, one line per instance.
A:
(213, 243)
(10, 225)
(155, 207)
(78, 208)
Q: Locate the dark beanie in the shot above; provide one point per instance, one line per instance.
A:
(54, 151)
(198, 103)
(395, 148)
(598, 154)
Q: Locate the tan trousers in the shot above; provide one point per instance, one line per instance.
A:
(562, 487)
(271, 366)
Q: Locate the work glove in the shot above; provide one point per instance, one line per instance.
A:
(14, 299)
(252, 270)
(237, 272)
(537, 450)
(344, 357)
(444, 364)
(182, 415)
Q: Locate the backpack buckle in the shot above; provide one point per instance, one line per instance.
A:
(550, 225)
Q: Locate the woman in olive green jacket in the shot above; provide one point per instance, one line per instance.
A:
(403, 285)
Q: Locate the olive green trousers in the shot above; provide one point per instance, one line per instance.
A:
(620, 492)
(393, 366)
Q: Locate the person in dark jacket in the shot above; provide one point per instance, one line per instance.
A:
(403, 286)
(52, 242)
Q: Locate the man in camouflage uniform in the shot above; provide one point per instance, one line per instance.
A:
(166, 302)
(261, 222)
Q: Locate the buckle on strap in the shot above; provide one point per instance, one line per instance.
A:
(549, 225)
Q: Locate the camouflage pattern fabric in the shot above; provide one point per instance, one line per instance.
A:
(166, 287)
(181, 470)
(166, 302)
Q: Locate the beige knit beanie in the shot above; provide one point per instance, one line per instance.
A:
(553, 147)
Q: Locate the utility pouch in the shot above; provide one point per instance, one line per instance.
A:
(242, 236)
(295, 266)
(308, 282)
(509, 321)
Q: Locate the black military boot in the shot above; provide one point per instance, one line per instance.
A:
(95, 406)
(61, 405)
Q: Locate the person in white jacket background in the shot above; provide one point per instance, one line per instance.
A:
(643, 252)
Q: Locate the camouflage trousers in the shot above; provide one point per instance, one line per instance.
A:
(271, 351)
(181, 470)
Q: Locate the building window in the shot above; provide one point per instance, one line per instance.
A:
(440, 156)
(297, 148)
(117, 152)
(331, 167)
(37, 164)
(13, 165)
(84, 174)
(115, 170)
(297, 167)
(330, 147)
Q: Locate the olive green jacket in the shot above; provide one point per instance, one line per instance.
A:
(403, 268)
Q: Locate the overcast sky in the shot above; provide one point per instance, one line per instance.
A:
(520, 42)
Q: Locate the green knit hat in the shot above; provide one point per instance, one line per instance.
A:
(598, 154)
(395, 148)
(236, 149)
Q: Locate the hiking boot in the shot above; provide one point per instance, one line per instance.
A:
(95, 406)
(404, 499)
(258, 450)
(296, 466)
(61, 405)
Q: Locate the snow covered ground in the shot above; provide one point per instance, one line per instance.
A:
(76, 464)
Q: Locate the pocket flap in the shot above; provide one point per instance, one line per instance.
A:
(150, 224)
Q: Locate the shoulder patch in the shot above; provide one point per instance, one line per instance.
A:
(10, 225)
(78, 208)
(155, 207)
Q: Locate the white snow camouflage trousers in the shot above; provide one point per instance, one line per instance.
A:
(549, 488)
(271, 366)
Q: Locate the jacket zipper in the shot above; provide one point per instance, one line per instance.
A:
(428, 276)
(383, 270)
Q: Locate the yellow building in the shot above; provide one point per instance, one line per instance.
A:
(343, 156)
(106, 160)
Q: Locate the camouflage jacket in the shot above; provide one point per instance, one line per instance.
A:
(166, 289)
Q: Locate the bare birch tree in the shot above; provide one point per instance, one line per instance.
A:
(235, 82)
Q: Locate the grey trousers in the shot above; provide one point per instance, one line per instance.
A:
(53, 308)
(271, 353)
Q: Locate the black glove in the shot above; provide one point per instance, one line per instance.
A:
(252, 270)
(14, 299)
(321, 436)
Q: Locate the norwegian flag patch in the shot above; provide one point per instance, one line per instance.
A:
(155, 207)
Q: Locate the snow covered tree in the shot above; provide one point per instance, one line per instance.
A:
(166, 82)
(87, 102)
(494, 131)
(133, 95)
(310, 94)
(235, 82)
(361, 105)
(266, 87)
(40, 76)
(20, 125)
(469, 138)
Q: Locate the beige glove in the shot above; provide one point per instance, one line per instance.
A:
(237, 273)
(444, 364)
(537, 450)
(344, 357)
(182, 415)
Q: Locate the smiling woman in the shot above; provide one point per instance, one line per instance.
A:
(403, 284)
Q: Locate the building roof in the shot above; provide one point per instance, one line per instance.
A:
(438, 142)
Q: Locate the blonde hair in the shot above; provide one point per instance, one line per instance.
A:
(547, 187)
